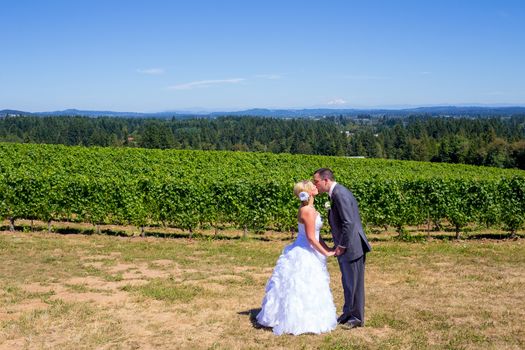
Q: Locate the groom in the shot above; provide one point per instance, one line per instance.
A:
(351, 245)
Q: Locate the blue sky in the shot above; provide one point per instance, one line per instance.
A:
(151, 56)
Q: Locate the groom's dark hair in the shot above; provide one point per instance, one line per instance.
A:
(325, 173)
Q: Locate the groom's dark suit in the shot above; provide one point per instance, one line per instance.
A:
(347, 231)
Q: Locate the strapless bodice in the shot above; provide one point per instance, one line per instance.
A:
(301, 232)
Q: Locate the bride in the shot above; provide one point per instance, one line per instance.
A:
(298, 297)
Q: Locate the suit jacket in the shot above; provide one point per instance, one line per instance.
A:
(345, 223)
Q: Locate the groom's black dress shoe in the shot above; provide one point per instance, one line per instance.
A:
(352, 324)
(343, 319)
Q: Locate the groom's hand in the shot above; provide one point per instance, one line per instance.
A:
(339, 251)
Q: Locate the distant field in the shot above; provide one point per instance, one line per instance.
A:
(212, 165)
(84, 292)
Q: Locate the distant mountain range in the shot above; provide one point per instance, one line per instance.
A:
(289, 113)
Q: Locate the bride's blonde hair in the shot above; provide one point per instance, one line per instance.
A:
(303, 186)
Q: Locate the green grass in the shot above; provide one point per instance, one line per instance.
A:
(168, 290)
(12, 295)
(204, 293)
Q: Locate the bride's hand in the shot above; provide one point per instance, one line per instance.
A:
(330, 253)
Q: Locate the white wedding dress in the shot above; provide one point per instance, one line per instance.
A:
(298, 297)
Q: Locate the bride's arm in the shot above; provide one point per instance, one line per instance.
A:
(323, 243)
(308, 216)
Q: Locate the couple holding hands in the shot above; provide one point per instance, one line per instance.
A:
(298, 298)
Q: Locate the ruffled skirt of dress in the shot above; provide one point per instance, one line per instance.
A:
(298, 298)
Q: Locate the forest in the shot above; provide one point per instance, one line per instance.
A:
(497, 141)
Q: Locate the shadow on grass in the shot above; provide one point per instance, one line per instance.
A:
(253, 318)
(476, 236)
(171, 235)
(285, 236)
(494, 236)
(188, 235)
(444, 236)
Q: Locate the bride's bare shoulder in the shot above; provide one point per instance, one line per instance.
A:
(307, 211)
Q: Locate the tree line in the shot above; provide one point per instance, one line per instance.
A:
(491, 141)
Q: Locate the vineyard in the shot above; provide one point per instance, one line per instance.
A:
(190, 190)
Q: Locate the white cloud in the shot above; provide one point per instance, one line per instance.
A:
(205, 84)
(336, 102)
(151, 71)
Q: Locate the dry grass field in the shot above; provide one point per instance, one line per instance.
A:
(77, 291)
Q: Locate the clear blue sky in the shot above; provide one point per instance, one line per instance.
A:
(151, 56)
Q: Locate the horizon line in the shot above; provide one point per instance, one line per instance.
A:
(219, 110)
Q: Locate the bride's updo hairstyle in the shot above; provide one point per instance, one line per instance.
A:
(303, 186)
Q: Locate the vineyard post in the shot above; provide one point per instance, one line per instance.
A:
(428, 223)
